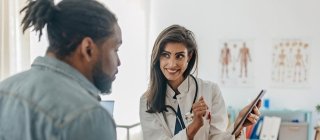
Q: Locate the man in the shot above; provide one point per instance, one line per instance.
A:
(58, 97)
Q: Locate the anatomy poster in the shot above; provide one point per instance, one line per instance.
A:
(290, 63)
(235, 63)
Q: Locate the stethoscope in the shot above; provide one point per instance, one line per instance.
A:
(189, 114)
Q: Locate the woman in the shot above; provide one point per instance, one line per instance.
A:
(177, 105)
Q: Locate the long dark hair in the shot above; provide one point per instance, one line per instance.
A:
(156, 91)
(69, 22)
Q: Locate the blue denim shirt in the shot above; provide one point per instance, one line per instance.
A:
(52, 101)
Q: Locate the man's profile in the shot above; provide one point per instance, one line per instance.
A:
(58, 97)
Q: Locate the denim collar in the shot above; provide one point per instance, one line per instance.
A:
(55, 65)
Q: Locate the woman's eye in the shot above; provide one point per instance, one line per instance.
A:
(165, 55)
(180, 56)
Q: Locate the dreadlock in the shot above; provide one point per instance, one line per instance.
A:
(68, 22)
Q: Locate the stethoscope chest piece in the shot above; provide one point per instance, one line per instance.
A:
(189, 117)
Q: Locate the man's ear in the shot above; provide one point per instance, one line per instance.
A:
(88, 48)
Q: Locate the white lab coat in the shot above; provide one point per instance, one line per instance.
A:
(157, 127)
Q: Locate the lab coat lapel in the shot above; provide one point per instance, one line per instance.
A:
(161, 119)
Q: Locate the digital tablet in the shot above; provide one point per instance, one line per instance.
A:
(108, 105)
(261, 94)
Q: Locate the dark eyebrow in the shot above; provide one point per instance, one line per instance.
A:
(166, 52)
(179, 53)
(175, 54)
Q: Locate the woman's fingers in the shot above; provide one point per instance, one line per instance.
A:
(200, 113)
(259, 104)
(253, 118)
(201, 98)
(200, 103)
(200, 109)
(197, 108)
(256, 111)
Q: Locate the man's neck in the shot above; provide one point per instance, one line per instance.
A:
(73, 62)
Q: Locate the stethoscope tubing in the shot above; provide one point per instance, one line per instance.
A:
(194, 100)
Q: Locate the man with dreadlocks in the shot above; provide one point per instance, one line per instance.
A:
(58, 98)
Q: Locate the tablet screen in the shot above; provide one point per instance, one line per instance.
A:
(108, 105)
(261, 94)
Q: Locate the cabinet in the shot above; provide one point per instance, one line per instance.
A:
(293, 131)
(295, 125)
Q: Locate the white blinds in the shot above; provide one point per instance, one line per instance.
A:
(14, 47)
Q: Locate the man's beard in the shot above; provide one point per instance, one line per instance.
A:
(101, 80)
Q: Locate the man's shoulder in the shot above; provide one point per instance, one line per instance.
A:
(13, 79)
(55, 96)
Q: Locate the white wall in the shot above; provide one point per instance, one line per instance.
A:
(259, 21)
(131, 80)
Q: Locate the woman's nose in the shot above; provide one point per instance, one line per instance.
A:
(172, 62)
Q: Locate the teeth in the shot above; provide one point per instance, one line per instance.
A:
(172, 71)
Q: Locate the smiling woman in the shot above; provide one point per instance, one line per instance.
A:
(174, 61)
(177, 105)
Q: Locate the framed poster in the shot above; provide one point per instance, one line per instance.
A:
(290, 63)
(235, 63)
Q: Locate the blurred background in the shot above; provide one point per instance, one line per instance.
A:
(283, 39)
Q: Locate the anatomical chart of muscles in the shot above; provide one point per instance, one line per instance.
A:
(290, 63)
(235, 63)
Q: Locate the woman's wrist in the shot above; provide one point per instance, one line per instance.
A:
(238, 134)
(192, 129)
(189, 134)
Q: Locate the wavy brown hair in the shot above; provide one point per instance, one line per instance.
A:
(156, 91)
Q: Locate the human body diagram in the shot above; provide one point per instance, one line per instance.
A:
(244, 58)
(290, 62)
(234, 60)
(225, 60)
